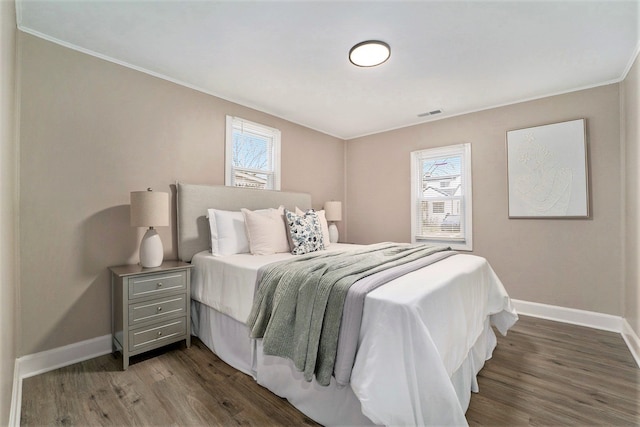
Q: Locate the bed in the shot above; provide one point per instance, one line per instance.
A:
(423, 337)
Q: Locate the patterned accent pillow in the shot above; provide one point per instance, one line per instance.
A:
(305, 233)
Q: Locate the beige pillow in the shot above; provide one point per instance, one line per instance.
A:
(266, 231)
(323, 225)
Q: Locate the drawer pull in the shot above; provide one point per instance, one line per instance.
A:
(159, 333)
(159, 308)
(159, 284)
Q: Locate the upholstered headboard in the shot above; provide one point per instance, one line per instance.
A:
(194, 200)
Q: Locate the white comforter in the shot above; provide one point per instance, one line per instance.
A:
(418, 332)
(227, 283)
(424, 336)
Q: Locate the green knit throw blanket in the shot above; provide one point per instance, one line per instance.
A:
(298, 305)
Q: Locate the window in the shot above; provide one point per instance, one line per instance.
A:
(441, 196)
(252, 155)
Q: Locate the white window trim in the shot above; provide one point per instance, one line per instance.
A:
(256, 128)
(416, 183)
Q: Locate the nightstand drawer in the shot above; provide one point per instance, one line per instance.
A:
(142, 337)
(154, 284)
(142, 312)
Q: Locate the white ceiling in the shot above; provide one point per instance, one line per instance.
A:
(290, 59)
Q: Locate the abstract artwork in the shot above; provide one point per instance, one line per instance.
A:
(547, 171)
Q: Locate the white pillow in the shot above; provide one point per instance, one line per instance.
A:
(323, 225)
(228, 235)
(266, 231)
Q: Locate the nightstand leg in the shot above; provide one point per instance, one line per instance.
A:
(188, 339)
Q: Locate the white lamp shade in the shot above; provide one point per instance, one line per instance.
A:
(333, 211)
(149, 209)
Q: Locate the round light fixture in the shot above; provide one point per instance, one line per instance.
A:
(369, 53)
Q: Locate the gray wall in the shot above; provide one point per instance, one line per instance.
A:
(8, 208)
(91, 132)
(631, 99)
(569, 263)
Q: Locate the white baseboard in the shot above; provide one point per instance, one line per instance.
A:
(590, 319)
(16, 397)
(632, 340)
(39, 363)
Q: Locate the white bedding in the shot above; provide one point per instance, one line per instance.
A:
(423, 339)
(436, 315)
(227, 283)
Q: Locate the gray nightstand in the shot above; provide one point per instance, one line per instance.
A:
(150, 307)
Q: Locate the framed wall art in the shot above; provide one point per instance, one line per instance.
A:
(547, 171)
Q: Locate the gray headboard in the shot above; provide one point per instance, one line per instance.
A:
(194, 200)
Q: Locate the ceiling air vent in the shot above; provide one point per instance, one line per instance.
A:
(430, 113)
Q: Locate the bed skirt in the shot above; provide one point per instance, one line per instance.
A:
(332, 405)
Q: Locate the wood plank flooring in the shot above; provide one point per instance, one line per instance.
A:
(175, 386)
(542, 373)
(549, 373)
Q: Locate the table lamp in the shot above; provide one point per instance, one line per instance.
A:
(150, 209)
(333, 213)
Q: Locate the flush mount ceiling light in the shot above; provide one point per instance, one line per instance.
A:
(369, 53)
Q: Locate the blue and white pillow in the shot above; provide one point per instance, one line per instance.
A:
(305, 232)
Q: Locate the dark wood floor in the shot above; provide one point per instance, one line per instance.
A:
(542, 373)
(548, 374)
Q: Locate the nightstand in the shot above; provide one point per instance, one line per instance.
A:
(150, 307)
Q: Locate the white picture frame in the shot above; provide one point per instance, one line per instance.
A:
(547, 171)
